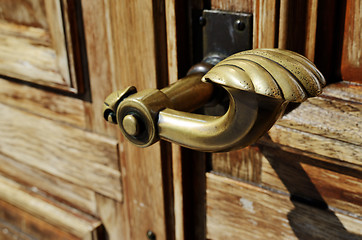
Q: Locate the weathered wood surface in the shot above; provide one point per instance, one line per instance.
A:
(33, 43)
(18, 224)
(62, 138)
(311, 143)
(327, 126)
(44, 103)
(243, 164)
(315, 181)
(233, 5)
(238, 210)
(344, 91)
(79, 197)
(297, 26)
(265, 24)
(9, 232)
(325, 130)
(138, 36)
(102, 66)
(334, 185)
(113, 217)
(60, 216)
(351, 66)
(80, 157)
(318, 116)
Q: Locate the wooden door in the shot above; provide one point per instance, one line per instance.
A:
(65, 173)
(302, 180)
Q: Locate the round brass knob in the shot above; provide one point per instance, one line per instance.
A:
(131, 125)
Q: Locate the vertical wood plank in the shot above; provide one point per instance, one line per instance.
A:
(99, 45)
(265, 35)
(245, 164)
(112, 216)
(351, 67)
(311, 29)
(170, 6)
(283, 24)
(265, 24)
(139, 60)
(297, 26)
(329, 38)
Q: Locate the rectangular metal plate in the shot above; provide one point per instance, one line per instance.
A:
(226, 33)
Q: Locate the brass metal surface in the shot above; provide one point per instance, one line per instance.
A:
(255, 86)
(131, 125)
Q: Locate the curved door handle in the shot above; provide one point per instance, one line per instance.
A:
(255, 86)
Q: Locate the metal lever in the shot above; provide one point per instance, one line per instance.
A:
(258, 84)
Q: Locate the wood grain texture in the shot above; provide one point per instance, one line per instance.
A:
(44, 103)
(24, 12)
(244, 164)
(9, 232)
(297, 26)
(112, 216)
(233, 5)
(325, 129)
(66, 192)
(237, 209)
(100, 53)
(265, 24)
(121, 41)
(59, 216)
(322, 183)
(351, 66)
(316, 144)
(135, 38)
(318, 116)
(315, 181)
(83, 158)
(172, 60)
(344, 91)
(179, 201)
(311, 28)
(34, 44)
(27, 226)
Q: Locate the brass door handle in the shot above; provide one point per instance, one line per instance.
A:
(258, 84)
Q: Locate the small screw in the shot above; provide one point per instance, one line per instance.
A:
(239, 25)
(202, 21)
(151, 235)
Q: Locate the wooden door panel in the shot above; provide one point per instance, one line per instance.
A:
(37, 45)
(44, 103)
(322, 183)
(61, 148)
(352, 44)
(80, 157)
(18, 224)
(38, 216)
(313, 154)
(237, 210)
(77, 196)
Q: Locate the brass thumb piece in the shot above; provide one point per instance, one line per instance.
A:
(253, 86)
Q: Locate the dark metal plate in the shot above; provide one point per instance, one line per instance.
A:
(226, 33)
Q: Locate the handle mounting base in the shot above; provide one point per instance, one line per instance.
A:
(226, 33)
